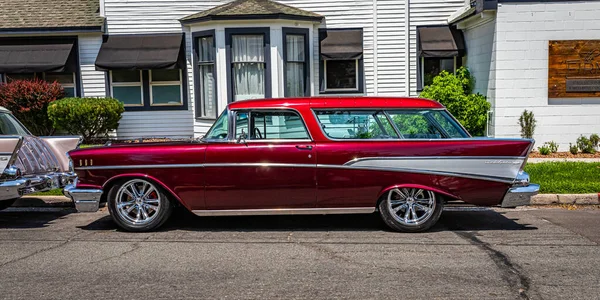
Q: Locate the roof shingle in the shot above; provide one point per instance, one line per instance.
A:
(49, 14)
(252, 9)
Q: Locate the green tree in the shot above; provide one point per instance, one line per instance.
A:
(456, 93)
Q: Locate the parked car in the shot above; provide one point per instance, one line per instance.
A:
(402, 157)
(31, 164)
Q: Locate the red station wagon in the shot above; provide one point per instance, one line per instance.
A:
(402, 157)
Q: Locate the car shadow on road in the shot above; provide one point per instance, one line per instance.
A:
(30, 219)
(450, 221)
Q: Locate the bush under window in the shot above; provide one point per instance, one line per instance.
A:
(28, 100)
(87, 117)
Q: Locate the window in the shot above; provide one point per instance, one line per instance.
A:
(343, 124)
(165, 87)
(296, 71)
(10, 126)
(248, 60)
(341, 64)
(219, 131)
(206, 85)
(277, 125)
(242, 125)
(341, 75)
(66, 80)
(426, 124)
(126, 86)
(433, 66)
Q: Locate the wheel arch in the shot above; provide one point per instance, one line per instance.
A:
(415, 186)
(111, 181)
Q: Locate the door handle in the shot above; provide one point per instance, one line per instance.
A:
(304, 147)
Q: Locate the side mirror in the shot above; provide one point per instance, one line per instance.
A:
(242, 137)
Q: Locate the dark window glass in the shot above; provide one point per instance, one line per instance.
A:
(344, 124)
(341, 74)
(434, 66)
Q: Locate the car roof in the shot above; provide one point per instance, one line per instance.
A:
(339, 102)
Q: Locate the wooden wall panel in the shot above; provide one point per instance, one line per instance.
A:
(574, 69)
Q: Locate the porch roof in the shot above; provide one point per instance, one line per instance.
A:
(252, 10)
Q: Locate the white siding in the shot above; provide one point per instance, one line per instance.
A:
(93, 82)
(427, 12)
(391, 45)
(523, 31)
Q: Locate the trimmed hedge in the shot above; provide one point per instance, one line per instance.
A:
(28, 100)
(87, 117)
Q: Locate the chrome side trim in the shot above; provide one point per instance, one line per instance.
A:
(417, 171)
(280, 165)
(163, 166)
(285, 211)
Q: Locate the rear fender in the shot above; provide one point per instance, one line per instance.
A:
(60, 145)
(110, 181)
(418, 186)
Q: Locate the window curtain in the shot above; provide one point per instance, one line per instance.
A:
(295, 65)
(248, 57)
(207, 71)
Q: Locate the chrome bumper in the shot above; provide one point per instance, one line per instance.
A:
(86, 200)
(521, 192)
(15, 188)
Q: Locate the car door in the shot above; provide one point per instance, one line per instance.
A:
(270, 164)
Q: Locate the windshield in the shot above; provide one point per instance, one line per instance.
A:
(10, 126)
(219, 130)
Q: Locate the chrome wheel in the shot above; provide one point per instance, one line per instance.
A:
(138, 202)
(411, 207)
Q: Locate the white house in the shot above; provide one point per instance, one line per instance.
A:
(176, 64)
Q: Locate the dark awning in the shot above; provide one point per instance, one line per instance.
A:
(41, 57)
(439, 41)
(341, 44)
(141, 52)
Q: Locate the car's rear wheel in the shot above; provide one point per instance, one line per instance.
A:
(138, 205)
(410, 209)
(4, 204)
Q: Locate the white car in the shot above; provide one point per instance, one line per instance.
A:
(31, 164)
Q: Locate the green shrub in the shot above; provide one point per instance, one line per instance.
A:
(573, 149)
(595, 139)
(455, 92)
(28, 100)
(87, 117)
(527, 122)
(552, 146)
(585, 145)
(544, 150)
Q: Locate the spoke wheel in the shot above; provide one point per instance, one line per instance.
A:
(138, 205)
(410, 209)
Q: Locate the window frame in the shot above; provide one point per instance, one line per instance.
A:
(307, 58)
(165, 83)
(229, 33)
(128, 84)
(249, 111)
(422, 67)
(360, 69)
(385, 111)
(196, 36)
(337, 90)
(4, 79)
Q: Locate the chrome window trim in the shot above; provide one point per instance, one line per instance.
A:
(400, 138)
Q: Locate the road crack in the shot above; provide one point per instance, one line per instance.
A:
(511, 272)
(39, 251)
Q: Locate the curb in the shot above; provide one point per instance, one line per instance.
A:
(537, 160)
(581, 199)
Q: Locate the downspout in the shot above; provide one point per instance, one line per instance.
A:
(407, 46)
(102, 11)
(375, 84)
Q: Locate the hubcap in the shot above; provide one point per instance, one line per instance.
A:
(138, 202)
(409, 206)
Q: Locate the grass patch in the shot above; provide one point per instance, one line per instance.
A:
(56, 192)
(565, 177)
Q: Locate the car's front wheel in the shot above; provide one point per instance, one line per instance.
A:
(410, 209)
(138, 205)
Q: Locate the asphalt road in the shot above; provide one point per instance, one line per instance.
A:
(482, 254)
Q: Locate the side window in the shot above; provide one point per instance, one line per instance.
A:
(277, 125)
(219, 131)
(415, 124)
(344, 124)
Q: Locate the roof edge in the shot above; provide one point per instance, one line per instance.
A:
(24, 30)
(209, 18)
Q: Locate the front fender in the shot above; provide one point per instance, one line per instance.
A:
(419, 186)
(111, 180)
